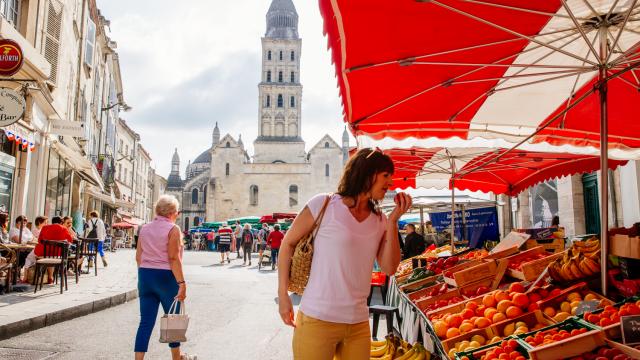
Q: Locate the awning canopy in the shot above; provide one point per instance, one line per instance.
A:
(500, 171)
(97, 194)
(79, 163)
(449, 70)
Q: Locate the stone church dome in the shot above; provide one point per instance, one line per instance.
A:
(204, 158)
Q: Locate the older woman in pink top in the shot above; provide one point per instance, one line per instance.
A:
(160, 277)
(333, 320)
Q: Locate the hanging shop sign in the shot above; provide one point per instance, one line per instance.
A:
(12, 106)
(11, 57)
(66, 128)
(478, 225)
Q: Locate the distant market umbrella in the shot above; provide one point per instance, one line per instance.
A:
(534, 73)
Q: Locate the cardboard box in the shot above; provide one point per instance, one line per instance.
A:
(624, 246)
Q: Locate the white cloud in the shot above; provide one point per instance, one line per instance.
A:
(188, 64)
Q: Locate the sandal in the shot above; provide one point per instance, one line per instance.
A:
(188, 357)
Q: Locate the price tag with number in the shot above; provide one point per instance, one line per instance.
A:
(630, 327)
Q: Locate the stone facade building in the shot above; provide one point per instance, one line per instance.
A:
(226, 182)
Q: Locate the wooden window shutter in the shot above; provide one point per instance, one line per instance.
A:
(53, 30)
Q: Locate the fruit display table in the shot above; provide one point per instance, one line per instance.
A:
(527, 303)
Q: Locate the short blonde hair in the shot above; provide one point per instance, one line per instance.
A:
(167, 205)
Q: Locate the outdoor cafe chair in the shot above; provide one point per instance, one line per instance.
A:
(8, 261)
(89, 248)
(75, 259)
(56, 254)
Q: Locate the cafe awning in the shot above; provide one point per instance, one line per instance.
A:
(79, 163)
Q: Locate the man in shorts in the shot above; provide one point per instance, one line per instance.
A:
(262, 239)
(224, 244)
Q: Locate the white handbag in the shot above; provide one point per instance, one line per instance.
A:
(173, 325)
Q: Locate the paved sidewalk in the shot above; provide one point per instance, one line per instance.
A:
(25, 311)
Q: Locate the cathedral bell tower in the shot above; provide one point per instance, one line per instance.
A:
(280, 90)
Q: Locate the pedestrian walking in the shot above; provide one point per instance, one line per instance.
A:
(262, 240)
(247, 243)
(96, 230)
(224, 242)
(160, 277)
(333, 319)
(274, 240)
(237, 239)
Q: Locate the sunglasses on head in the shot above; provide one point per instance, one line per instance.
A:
(374, 150)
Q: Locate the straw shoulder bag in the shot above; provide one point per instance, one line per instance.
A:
(303, 255)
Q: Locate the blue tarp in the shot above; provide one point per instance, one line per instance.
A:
(481, 225)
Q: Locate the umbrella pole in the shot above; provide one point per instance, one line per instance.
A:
(453, 216)
(604, 161)
(422, 227)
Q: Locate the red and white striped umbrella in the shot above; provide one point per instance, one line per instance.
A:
(437, 71)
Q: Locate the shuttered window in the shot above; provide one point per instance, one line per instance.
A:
(52, 37)
(90, 43)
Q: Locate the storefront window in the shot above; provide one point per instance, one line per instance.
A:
(544, 203)
(58, 195)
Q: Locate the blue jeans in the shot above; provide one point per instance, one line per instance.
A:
(100, 246)
(155, 287)
(274, 256)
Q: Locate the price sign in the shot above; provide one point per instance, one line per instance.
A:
(630, 328)
(587, 306)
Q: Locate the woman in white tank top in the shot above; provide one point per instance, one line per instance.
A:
(333, 319)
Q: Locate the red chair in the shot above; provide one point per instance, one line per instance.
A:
(378, 280)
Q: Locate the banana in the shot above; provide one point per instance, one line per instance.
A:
(385, 357)
(584, 268)
(379, 351)
(575, 270)
(420, 355)
(408, 355)
(553, 271)
(592, 264)
(378, 343)
(567, 275)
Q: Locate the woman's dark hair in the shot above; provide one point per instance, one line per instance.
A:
(360, 172)
(555, 221)
(4, 217)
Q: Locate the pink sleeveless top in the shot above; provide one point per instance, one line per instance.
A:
(154, 239)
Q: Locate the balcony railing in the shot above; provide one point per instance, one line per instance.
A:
(106, 168)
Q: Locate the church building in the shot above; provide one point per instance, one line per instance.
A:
(226, 182)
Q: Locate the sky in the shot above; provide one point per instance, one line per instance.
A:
(186, 65)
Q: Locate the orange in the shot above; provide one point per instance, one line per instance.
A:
(489, 312)
(513, 311)
(466, 327)
(500, 295)
(521, 300)
(455, 320)
(497, 317)
(489, 301)
(504, 305)
(516, 287)
(440, 328)
(467, 314)
(471, 305)
(549, 311)
(452, 332)
(480, 310)
(482, 322)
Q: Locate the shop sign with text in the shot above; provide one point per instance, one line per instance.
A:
(11, 57)
(12, 106)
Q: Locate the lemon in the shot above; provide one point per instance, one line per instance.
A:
(561, 316)
(565, 307)
(495, 339)
(521, 324)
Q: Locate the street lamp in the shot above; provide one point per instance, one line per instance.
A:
(123, 106)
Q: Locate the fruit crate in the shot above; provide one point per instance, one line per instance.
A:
(471, 273)
(502, 253)
(554, 245)
(532, 269)
(416, 285)
(626, 349)
(413, 295)
(422, 305)
(478, 353)
(449, 344)
(612, 331)
(567, 348)
(531, 319)
(624, 246)
(486, 282)
(580, 288)
(454, 308)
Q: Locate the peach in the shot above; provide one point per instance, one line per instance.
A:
(504, 305)
(513, 312)
(489, 312)
(467, 314)
(440, 328)
(489, 301)
(455, 320)
(452, 332)
(497, 317)
(466, 327)
(482, 322)
(516, 287)
(521, 300)
(500, 295)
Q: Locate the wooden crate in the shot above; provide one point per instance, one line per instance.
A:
(473, 273)
(624, 246)
(503, 253)
(446, 296)
(454, 308)
(413, 286)
(530, 318)
(554, 246)
(628, 350)
(449, 344)
(567, 348)
(476, 284)
(531, 269)
(581, 288)
(413, 295)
